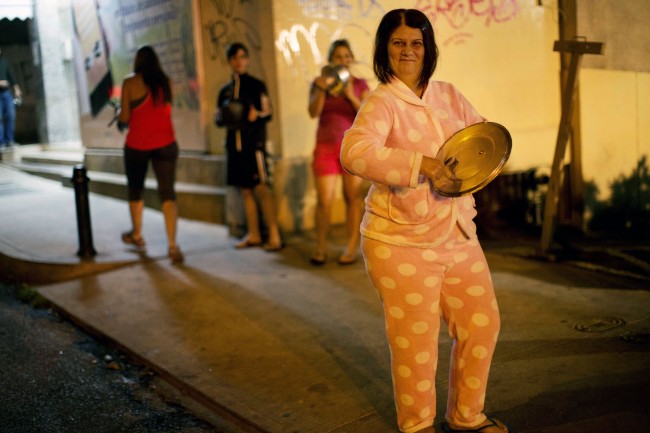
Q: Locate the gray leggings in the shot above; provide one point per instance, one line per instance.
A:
(163, 161)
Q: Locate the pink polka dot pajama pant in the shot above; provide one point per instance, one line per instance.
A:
(416, 287)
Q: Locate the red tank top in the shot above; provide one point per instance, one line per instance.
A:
(150, 126)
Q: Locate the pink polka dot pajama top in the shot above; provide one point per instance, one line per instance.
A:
(421, 251)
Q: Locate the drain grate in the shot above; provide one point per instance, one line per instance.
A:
(600, 325)
(642, 336)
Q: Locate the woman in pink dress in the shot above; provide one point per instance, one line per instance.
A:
(336, 112)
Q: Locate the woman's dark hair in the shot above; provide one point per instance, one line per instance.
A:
(338, 43)
(391, 21)
(147, 63)
(234, 48)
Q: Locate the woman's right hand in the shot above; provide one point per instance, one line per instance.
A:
(323, 83)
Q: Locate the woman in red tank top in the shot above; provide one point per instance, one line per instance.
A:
(146, 112)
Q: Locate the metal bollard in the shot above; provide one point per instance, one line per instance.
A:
(80, 182)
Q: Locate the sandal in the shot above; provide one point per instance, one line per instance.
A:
(175, 255)
(128, 238)
(347, 259)
(271, 248)
(246, 243)
(492, 422)
(318, 259)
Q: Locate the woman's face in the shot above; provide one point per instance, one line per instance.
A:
(342, 56)
(406, 53)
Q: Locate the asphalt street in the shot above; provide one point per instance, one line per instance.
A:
(57, 379)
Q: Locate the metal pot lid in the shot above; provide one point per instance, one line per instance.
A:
(340, 74)
(475, 155)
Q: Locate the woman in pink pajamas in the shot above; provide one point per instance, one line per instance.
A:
(420, 248)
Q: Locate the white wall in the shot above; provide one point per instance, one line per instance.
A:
(500, 55)
(615, 109)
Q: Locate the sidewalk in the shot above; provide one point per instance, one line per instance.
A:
(275, 345)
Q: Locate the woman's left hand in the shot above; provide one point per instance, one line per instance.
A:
(348, 90)
(434, 169)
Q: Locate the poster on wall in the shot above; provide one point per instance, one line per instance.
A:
(109, 34)
(93, 58)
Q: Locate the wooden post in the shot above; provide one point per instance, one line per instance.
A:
(577, 49)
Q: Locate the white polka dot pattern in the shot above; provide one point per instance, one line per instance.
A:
(382, 154)
(404, 371)
(359, 166)
(414, 136)
(414, 298)
(402, 342)
(447, 279)
(406, 269)
(396, 312)
(442, 114)
(381, 126)
(383, 252)
(422, 357)
(367, 107)
(393, 177)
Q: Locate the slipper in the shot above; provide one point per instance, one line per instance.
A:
(347, 260)
(175, 255)
(128, 238)
(318, 259)
(271, 248)
(247, 244)
(482, 429)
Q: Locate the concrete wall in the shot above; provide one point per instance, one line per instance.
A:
(59, 123)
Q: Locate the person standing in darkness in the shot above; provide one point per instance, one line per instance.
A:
(244, 108)
(7, 108)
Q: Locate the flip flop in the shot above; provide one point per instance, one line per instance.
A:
(318, 259)
(270, 248)
(493, 423)
(247, 244)
(347, 260)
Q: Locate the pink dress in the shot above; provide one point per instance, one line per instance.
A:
(336, 118)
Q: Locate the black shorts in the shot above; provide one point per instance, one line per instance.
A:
(163, 161)
(247, 168)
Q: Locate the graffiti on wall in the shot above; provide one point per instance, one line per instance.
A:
(230, 27)
(340, 9)
(457, 13)
(298, 43)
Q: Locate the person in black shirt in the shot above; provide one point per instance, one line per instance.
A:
(244, 107)
(7, 109)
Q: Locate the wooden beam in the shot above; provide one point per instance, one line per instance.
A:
(577, 48)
